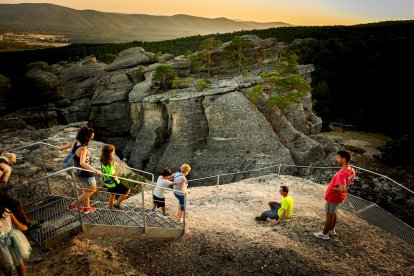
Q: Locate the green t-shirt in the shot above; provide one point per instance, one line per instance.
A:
(286, 204)
(110, 182)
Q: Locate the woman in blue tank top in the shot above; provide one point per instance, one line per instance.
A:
(83, 158)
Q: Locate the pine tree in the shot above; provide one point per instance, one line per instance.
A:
(165, 75)
(237, 51)
(209, 45)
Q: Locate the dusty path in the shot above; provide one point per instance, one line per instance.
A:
(225, 240)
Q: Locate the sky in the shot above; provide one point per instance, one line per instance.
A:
(297, 12)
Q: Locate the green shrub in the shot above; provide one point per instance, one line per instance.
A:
(182, 83)
(108, 58)
(354, 148)
(164, 76)
(135, 188)
(203, 84)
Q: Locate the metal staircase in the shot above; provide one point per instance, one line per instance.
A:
(59, 223)
(44, 200)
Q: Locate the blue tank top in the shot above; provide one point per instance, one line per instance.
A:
(178, 177)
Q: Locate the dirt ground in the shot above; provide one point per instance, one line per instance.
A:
(226, 240)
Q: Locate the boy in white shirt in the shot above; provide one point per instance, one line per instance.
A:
(158, 196)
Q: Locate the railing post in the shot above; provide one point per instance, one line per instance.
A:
(143, 207)
(185, 211)
(42, 148)
(280, 167)
(217, 189)
(76, 196)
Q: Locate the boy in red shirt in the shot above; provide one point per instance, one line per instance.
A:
(336, 193)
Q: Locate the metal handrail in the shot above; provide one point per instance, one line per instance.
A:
(298, 166)
(53, 146)
(31, 145)
(104, 174)
(386, 177)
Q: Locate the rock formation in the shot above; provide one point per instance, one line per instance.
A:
(216, 130)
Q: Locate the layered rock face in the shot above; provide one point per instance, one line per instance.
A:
(216, 130)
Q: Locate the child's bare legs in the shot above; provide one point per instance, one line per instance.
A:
(21, 269)
(123, 197)
(164, 210)
(111, 201)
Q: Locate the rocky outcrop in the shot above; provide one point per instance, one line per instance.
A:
(131, 58)
(302, 115)
(214, 128)
(5, 87)
(80, 81)
(215, 131)
(111, 109)
(42, 85)
(304, 150)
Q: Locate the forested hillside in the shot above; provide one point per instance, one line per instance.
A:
(362, 72)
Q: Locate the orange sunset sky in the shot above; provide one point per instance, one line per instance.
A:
(298, 12)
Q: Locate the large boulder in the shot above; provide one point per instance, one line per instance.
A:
(42, 86)
(131, 58)
(5, 87)
(214, 132)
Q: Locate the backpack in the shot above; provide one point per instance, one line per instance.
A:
(70, 161)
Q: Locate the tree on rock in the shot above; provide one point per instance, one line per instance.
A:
(278, 91)
(287, 63)
(208, 46)
(237, 51)
(164, 76)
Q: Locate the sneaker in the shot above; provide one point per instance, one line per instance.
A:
(88, 210)
(165, 216)
(321, 236)
(332, 233)
(118, 206)
(73, 207)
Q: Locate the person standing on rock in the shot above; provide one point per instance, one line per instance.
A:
(336, 193)
(180, 189)
(83, 157)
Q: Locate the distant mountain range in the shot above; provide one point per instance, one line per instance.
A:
(95, 26)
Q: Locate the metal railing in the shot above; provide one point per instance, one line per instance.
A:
(75, 189)
(34, 198)
(380, 201)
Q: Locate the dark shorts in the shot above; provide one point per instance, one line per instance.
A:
(160, 202)
(119, 189)
(331, 208)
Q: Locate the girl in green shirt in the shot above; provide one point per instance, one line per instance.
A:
(113, 184)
